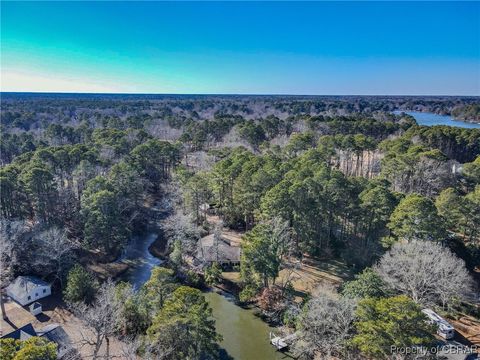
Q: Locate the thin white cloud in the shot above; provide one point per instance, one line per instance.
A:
(17, 81)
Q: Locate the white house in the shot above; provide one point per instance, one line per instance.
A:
(27, 289)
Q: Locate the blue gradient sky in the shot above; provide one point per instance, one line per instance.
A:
(276, 48)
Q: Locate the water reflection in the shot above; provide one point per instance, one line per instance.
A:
(245, 336)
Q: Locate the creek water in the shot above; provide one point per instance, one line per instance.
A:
(141, 261)
(245, 336)
(431, 119)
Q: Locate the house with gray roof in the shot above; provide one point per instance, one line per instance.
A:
(56, 334)
(27, 289)
(216, 249)
(52, 333)
(23, 333)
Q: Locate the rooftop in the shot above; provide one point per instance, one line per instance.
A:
(56, 333)
(23, 333)
(35, 305)
(24, 284)
(221, 251)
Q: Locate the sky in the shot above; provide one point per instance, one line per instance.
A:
(317, 48)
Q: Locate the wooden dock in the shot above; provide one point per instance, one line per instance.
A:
(282, 343)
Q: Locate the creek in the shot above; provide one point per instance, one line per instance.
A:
(245, 336)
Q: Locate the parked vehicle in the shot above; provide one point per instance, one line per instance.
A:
(444, 329)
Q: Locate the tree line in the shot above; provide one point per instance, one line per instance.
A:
(326, 178)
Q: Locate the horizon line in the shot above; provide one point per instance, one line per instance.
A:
(225, 94)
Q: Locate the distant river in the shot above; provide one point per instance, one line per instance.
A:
(431, 119)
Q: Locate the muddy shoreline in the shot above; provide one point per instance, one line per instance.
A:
(159, 248)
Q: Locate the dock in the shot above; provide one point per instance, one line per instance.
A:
(282, 343)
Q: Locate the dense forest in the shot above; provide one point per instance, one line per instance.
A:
(300, 178)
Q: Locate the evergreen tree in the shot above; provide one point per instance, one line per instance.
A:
(81, 285)
(386, 322)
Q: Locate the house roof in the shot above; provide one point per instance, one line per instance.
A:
(24, 284)
(35, 305)
(55, 333)
(222, 251)
(22, 333)
(207, 240)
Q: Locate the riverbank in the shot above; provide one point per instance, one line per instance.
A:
(304, 276)
(102, 265)
(116, 264)
(244, 330)
(245, 334)
(471, 121)
(114, 267)
(159, 247)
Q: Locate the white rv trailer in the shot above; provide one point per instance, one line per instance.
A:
(444, 329)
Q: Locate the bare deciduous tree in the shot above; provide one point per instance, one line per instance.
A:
(182, 227)
(233, 140)
(161, 130)
(325, 326)
(53, 251)
(425, 271)
(10, 233)
(101, 319)
(129, 348)
(34, 249)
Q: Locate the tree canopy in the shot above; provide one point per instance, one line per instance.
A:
(386, 322)
(184, 327)
(34, 348)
